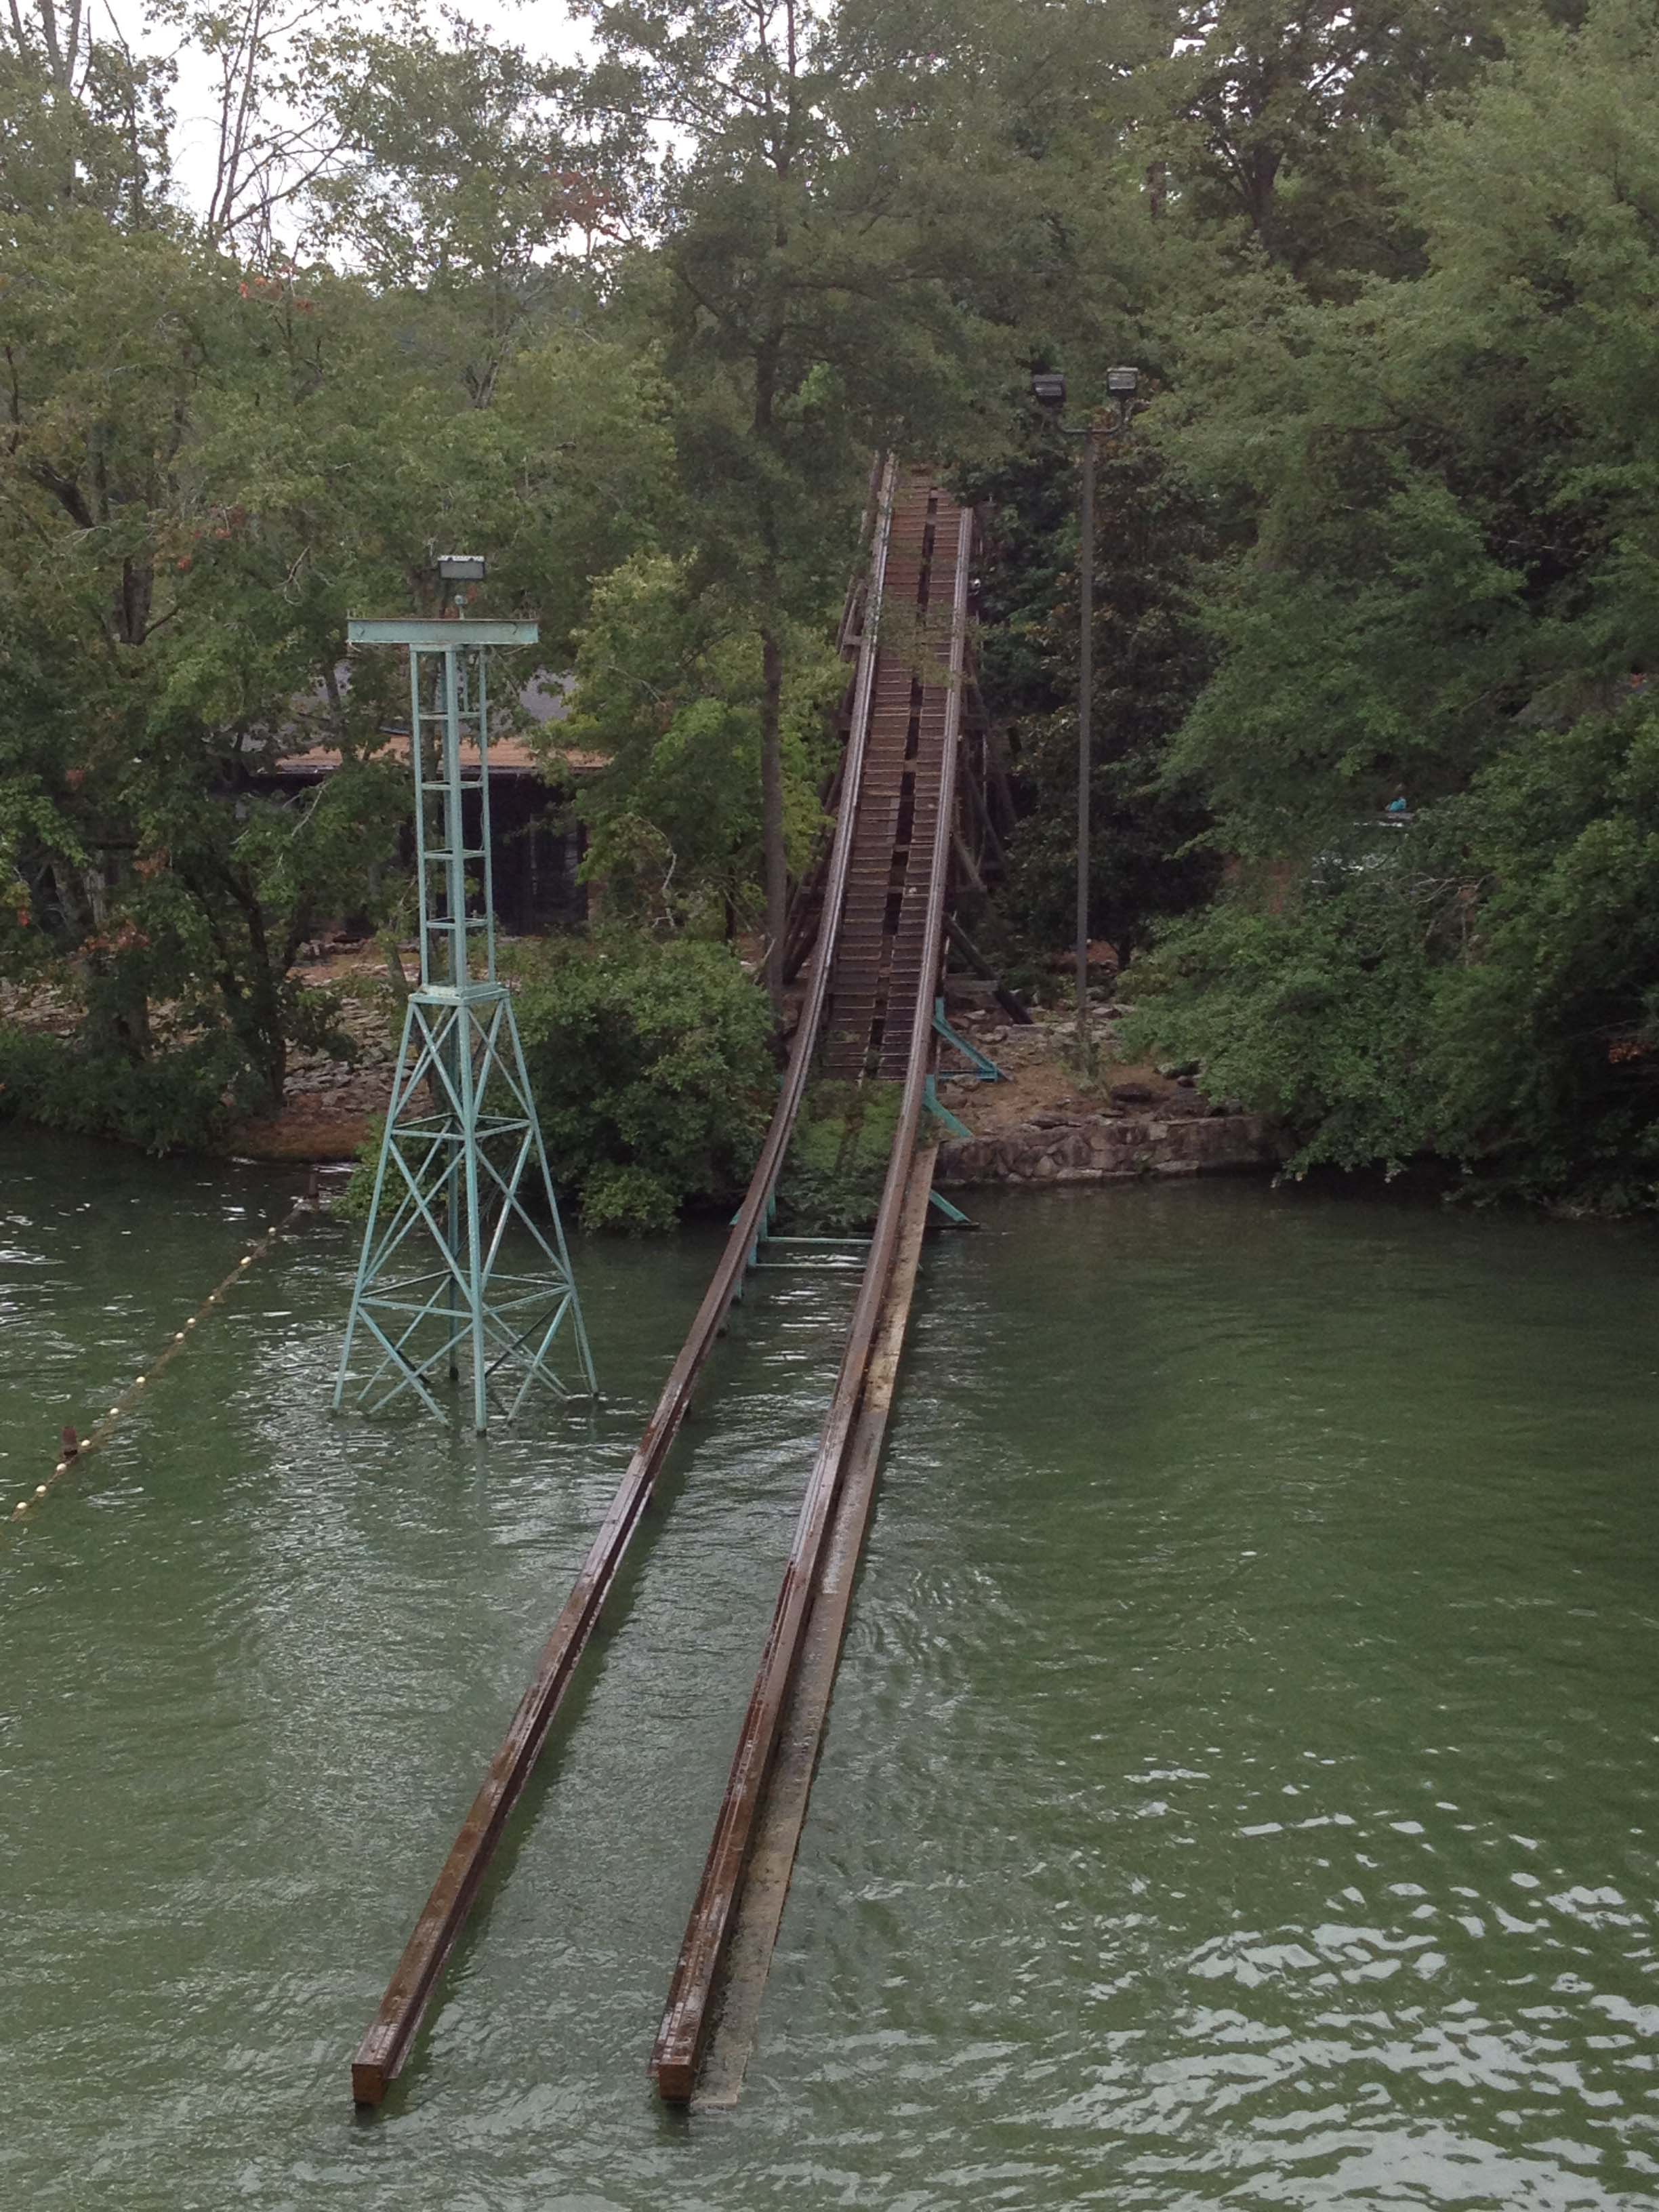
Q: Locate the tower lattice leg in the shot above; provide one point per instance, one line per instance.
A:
(456, 1271)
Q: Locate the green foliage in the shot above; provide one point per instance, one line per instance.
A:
(352, 1201)
(844, 227)
(635, 327)
(173, 1101)
(669, 688)
(1151, 661)
(1316, 1009)
(1278, 121)
(1442, 490)
(1483, 985)
(629, 1198)
(651, 1064)
(210, 460)
(1443, 547)
(838, 1159)
(1545, 1063)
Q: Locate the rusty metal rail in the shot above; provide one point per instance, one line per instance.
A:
(782, 1817)
(889, 955)
(384, 2048)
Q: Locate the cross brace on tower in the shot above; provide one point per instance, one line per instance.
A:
(455, 1268)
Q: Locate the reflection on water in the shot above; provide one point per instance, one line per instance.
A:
(1241, 1787)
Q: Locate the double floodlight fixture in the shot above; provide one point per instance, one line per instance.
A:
(461, 567)
(1049, 389)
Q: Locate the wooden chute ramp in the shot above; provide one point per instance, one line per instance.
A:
(869, 934)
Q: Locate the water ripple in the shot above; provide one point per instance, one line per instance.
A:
(1241, 1788)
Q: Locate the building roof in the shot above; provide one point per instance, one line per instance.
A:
(507, 756)
(545, 700)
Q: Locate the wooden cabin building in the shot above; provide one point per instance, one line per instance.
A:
(536, 846)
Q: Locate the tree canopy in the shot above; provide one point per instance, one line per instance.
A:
(637, 323)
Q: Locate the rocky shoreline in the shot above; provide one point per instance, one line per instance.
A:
(1042, 1127)
(1110, 1148)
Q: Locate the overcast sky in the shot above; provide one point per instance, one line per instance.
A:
(542, 27)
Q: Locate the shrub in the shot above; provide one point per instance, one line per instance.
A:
(173, 1101)
(1480, 986)
(837, 1161)
(648, 1056)
(351, 1202)
(1316, 1013)
(629, 1198)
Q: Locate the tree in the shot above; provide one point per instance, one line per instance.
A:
(669, 689)
(205, 467)
(1151, 662)
(160, 654)
(1278, 120)
(843, 229)
(464, 183)
(82, 120)
(1450, 587)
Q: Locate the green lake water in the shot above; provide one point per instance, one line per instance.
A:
(1241, 1788)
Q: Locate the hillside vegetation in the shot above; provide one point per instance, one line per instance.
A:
(1386, 528)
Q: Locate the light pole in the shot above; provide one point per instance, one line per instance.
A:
(1049, 389)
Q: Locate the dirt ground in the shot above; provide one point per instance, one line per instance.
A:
(1043, 1076)
(332, 1107)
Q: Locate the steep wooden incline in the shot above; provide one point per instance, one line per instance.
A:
(878, 967)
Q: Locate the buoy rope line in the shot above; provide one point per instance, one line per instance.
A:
(75, 1448)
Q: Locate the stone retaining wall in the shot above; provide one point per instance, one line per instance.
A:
(1109, 1148)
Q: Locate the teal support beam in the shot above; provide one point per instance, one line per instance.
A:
(937, 1203)
(979, 1067)
(953, 1214)
(941, 1112)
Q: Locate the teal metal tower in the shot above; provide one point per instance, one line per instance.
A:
(455, 1272)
